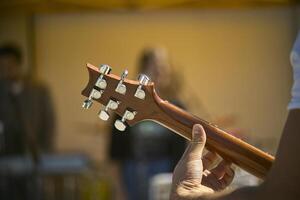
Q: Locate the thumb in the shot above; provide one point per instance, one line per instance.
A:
(197, 143)
(190, 165)
(193, 154)
(198, 134)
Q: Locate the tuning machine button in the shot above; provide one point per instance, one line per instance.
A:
(143, 80)
(120, 123)
(95, 94)
(113, 105)
(104, 115)
(101, 82)
(121, 88)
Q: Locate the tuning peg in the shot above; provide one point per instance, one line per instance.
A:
(113, 105)
(104, 69)
(143, 80)
(121, 88)
(87, 103)
(101, 83)
(120, 123)
(95, 94)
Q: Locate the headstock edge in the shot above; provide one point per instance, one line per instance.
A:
(131, 105)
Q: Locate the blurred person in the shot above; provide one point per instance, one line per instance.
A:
(26, 116)
(148, 148)
(193, 180)
(26, 109)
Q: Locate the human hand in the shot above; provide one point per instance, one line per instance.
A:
(193, 176)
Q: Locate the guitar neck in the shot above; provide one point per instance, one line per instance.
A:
(154, 108)
(227, 146)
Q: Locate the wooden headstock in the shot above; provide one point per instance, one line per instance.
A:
(139, 98)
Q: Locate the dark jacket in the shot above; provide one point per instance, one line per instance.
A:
(27, 119)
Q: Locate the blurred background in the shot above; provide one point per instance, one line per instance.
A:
(229, 63)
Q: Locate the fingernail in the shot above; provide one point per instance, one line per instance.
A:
(197, 133)
(197, 128)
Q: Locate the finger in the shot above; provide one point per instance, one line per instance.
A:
(217, 180)
(210, 180)
(228, 177)
(192, 158)
(220, 170)
(198, 134)
(226, 180)
(197, 143)
(206, 173)
(209, 160)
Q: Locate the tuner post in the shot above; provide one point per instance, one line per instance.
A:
(143, 80)
(95, 94)
(121, 88)
(87, 103)
(101, 82)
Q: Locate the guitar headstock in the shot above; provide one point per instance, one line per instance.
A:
(133, 100)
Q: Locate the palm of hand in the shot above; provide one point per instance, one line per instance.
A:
(195, 176)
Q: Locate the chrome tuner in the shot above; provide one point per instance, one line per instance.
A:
(95, 94)
(87, 103)
(101, 82)
(143, 80)
(113, 105)
(121, 88)
(120, 123)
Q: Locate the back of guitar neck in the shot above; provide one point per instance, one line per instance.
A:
(230, 148)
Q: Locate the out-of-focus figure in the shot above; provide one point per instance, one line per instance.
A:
(147, 148)
(26, 118)
(26, 110)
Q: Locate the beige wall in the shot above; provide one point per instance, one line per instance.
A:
(235, 61)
